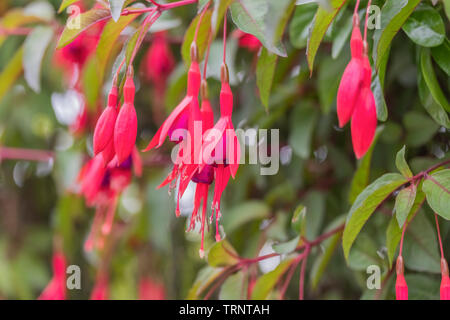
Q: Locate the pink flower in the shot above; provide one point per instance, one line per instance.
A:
(401, 288)
(56, 289)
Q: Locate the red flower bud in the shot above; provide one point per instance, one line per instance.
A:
(356, 41)
(104, 130)
(349, 89)
(125, 130)
(401, 288)
(445, 283)
(364, 122)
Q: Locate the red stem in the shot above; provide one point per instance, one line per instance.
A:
(367, 19)
(200, 21)
(439, 235)
(301, 288)
(173, 4)
(225, 37)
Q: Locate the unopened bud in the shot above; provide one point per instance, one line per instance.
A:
(204, 90)
(224, 73)
(194, 51)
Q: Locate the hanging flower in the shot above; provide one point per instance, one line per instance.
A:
(401, 288)
(445, 282)
(125, 130)
(56, 289)
(104, 129)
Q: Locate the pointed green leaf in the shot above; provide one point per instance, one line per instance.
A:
(425, 26)
(366, 203)
(441, 55)
(404, 203)
(401, 163)
(322, 21)
(394, 13)
(301, 23)
(437, 189)
(265, 71)
(222, 254)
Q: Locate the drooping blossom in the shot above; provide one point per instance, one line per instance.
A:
(401, 288)
(125, 130)
(355, 99)
(104, 129)
(101, 185)
(56, 289)
(247, 40)
(445, 282)
(150, 289)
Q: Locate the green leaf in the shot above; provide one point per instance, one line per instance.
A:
(394, 232)
(65, 4)
(301, 23)
(322, 21)
(33, 52)
(393, 15)
(11, 72)
(434, 109)
(441, 55)
(366, 203)
(315, 202)
(286, 247)
(202, 37)
(364, 253)
(87, 19)
(268, 281)
(205, 278)
(378, 94)
(420, 247)
(404, 203)
(298, 221)
(250, 16)
(265, 71)
(437, 189)
(425, 26)
(329, 77)
(431, 80)
(362, 175)
(343, 32)
(303, 122)
(234, 288)
(244, 213)
(222, 254)
(401, 163)
(116, 7)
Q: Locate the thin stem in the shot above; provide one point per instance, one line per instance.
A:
(356, 7)
(172, 5)
(401, 240)
(289, 275)
(301, 288)
(208, 49)
(225, 37)
(366, 22)
(148, 22)
(439, 235)
(200, 21)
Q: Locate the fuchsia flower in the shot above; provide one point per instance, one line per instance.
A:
(125, 130)
(56, 289)
(355, 98)
(445, 282)
(101, 287)
(247, 40)
(401, 288)
(101, 185)
(151, 290)
(104, 130)
(159, 62)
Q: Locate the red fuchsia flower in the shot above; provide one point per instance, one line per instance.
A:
(247, 40)
(222, 149)
(101, 186)
(104, 130)
(101, 287)
(351, 81)
(205, 177)
(401, 288)
(125, 130)
(445, 283)
(56, 289)
(159, 62)
(185, 116)
(364, 119)
(355, 98)
(151, 290)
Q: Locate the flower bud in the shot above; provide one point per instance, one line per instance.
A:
(349, 89)
(104, 130)
(445, 283)
(401, 288)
